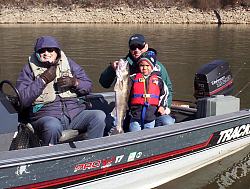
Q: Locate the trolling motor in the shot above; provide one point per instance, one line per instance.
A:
(213, 87)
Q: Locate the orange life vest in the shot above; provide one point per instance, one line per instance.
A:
(145, 91)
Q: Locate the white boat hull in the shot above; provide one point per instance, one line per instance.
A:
(163, 172)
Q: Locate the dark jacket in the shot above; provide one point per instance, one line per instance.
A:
(31, 87)
(108, 76)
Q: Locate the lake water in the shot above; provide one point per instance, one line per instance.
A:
(181, 48)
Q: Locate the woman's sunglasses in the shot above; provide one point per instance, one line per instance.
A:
(136, 46)
(43, 50)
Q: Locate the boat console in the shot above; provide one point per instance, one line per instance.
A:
(9, 122)
(9, 115)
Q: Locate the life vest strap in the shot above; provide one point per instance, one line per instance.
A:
(145, 96)
(143, 113)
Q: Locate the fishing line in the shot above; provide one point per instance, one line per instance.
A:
(242, 89)
(246, 85)
(239, 70)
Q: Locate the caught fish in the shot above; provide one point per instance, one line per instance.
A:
(122, 90)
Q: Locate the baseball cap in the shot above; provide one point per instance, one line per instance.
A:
(137, 39)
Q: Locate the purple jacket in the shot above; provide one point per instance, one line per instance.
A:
(30, 88)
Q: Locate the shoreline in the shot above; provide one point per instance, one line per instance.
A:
(171, 15)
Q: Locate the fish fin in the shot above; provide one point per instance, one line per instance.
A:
(113, 113)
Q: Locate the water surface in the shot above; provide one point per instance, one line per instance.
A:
(181, 48)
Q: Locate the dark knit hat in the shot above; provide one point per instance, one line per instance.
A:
(150, 57)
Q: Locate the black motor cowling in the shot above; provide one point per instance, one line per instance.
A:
(213, 78)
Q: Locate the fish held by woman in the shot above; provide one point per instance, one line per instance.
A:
(122, 91)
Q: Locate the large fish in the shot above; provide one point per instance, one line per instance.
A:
(122, 91)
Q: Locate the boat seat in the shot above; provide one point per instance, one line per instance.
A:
(71, 135)
(67, 135)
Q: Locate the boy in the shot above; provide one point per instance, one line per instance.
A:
(148, 96)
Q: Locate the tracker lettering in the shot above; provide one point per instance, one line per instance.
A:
(234, 133)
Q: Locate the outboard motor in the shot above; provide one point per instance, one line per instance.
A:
(213, 86)
(213, 79)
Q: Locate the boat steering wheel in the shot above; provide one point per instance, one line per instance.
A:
(15, 98)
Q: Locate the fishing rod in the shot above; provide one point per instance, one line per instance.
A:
(242, 89)
(246, 85)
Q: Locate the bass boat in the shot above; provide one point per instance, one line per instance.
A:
(206, 130)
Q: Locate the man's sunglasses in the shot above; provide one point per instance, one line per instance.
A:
(136, 46)
(43, 50)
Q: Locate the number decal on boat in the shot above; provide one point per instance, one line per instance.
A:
(134, 155)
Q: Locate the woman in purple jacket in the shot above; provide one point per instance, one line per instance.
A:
(49, 85)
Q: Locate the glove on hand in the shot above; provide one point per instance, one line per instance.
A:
(66, 82)
(49, 74)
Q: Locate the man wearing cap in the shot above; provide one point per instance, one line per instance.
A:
(148, 95)
(49, 85)
(137, 46)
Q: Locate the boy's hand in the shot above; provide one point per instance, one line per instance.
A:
(163, 111)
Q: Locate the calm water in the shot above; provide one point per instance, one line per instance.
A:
(182, 48)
